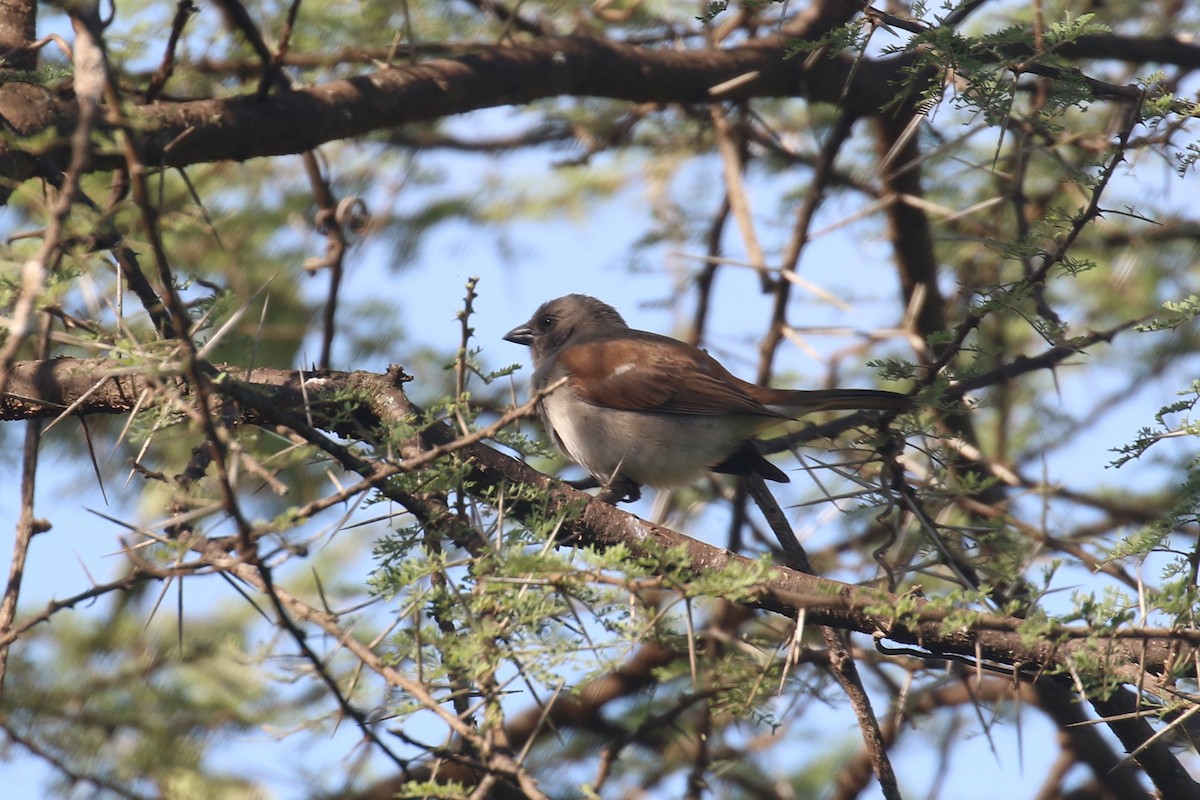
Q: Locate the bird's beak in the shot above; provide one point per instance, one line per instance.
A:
(522, 334)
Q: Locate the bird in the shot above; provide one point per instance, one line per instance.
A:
(636, 408)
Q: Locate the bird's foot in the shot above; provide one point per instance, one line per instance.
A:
(620, 490)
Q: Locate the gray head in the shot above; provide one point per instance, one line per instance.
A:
(565, 320)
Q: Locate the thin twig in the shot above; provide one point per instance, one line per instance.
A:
(27, 524)
(838, 643)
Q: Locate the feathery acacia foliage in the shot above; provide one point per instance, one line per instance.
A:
(984, 205)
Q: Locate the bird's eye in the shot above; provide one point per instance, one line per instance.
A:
(546, 323)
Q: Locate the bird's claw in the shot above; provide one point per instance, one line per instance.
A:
(620, 490)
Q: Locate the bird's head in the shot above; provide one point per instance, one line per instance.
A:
(567, 320)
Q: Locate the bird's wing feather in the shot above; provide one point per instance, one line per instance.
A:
(655, 373)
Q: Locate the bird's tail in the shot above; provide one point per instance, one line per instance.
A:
(795, 402)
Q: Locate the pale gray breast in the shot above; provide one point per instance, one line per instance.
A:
(651, 448)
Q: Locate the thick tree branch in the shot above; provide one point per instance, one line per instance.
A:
(18, 29)
(250, 126)
(90, 386)
(239, 128)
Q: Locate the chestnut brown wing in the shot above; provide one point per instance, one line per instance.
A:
(648, 372)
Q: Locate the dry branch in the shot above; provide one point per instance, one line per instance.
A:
(250, 126)
(42, 389)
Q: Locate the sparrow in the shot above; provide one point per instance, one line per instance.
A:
(637, 407)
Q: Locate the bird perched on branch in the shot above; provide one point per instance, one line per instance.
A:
(637, 407)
